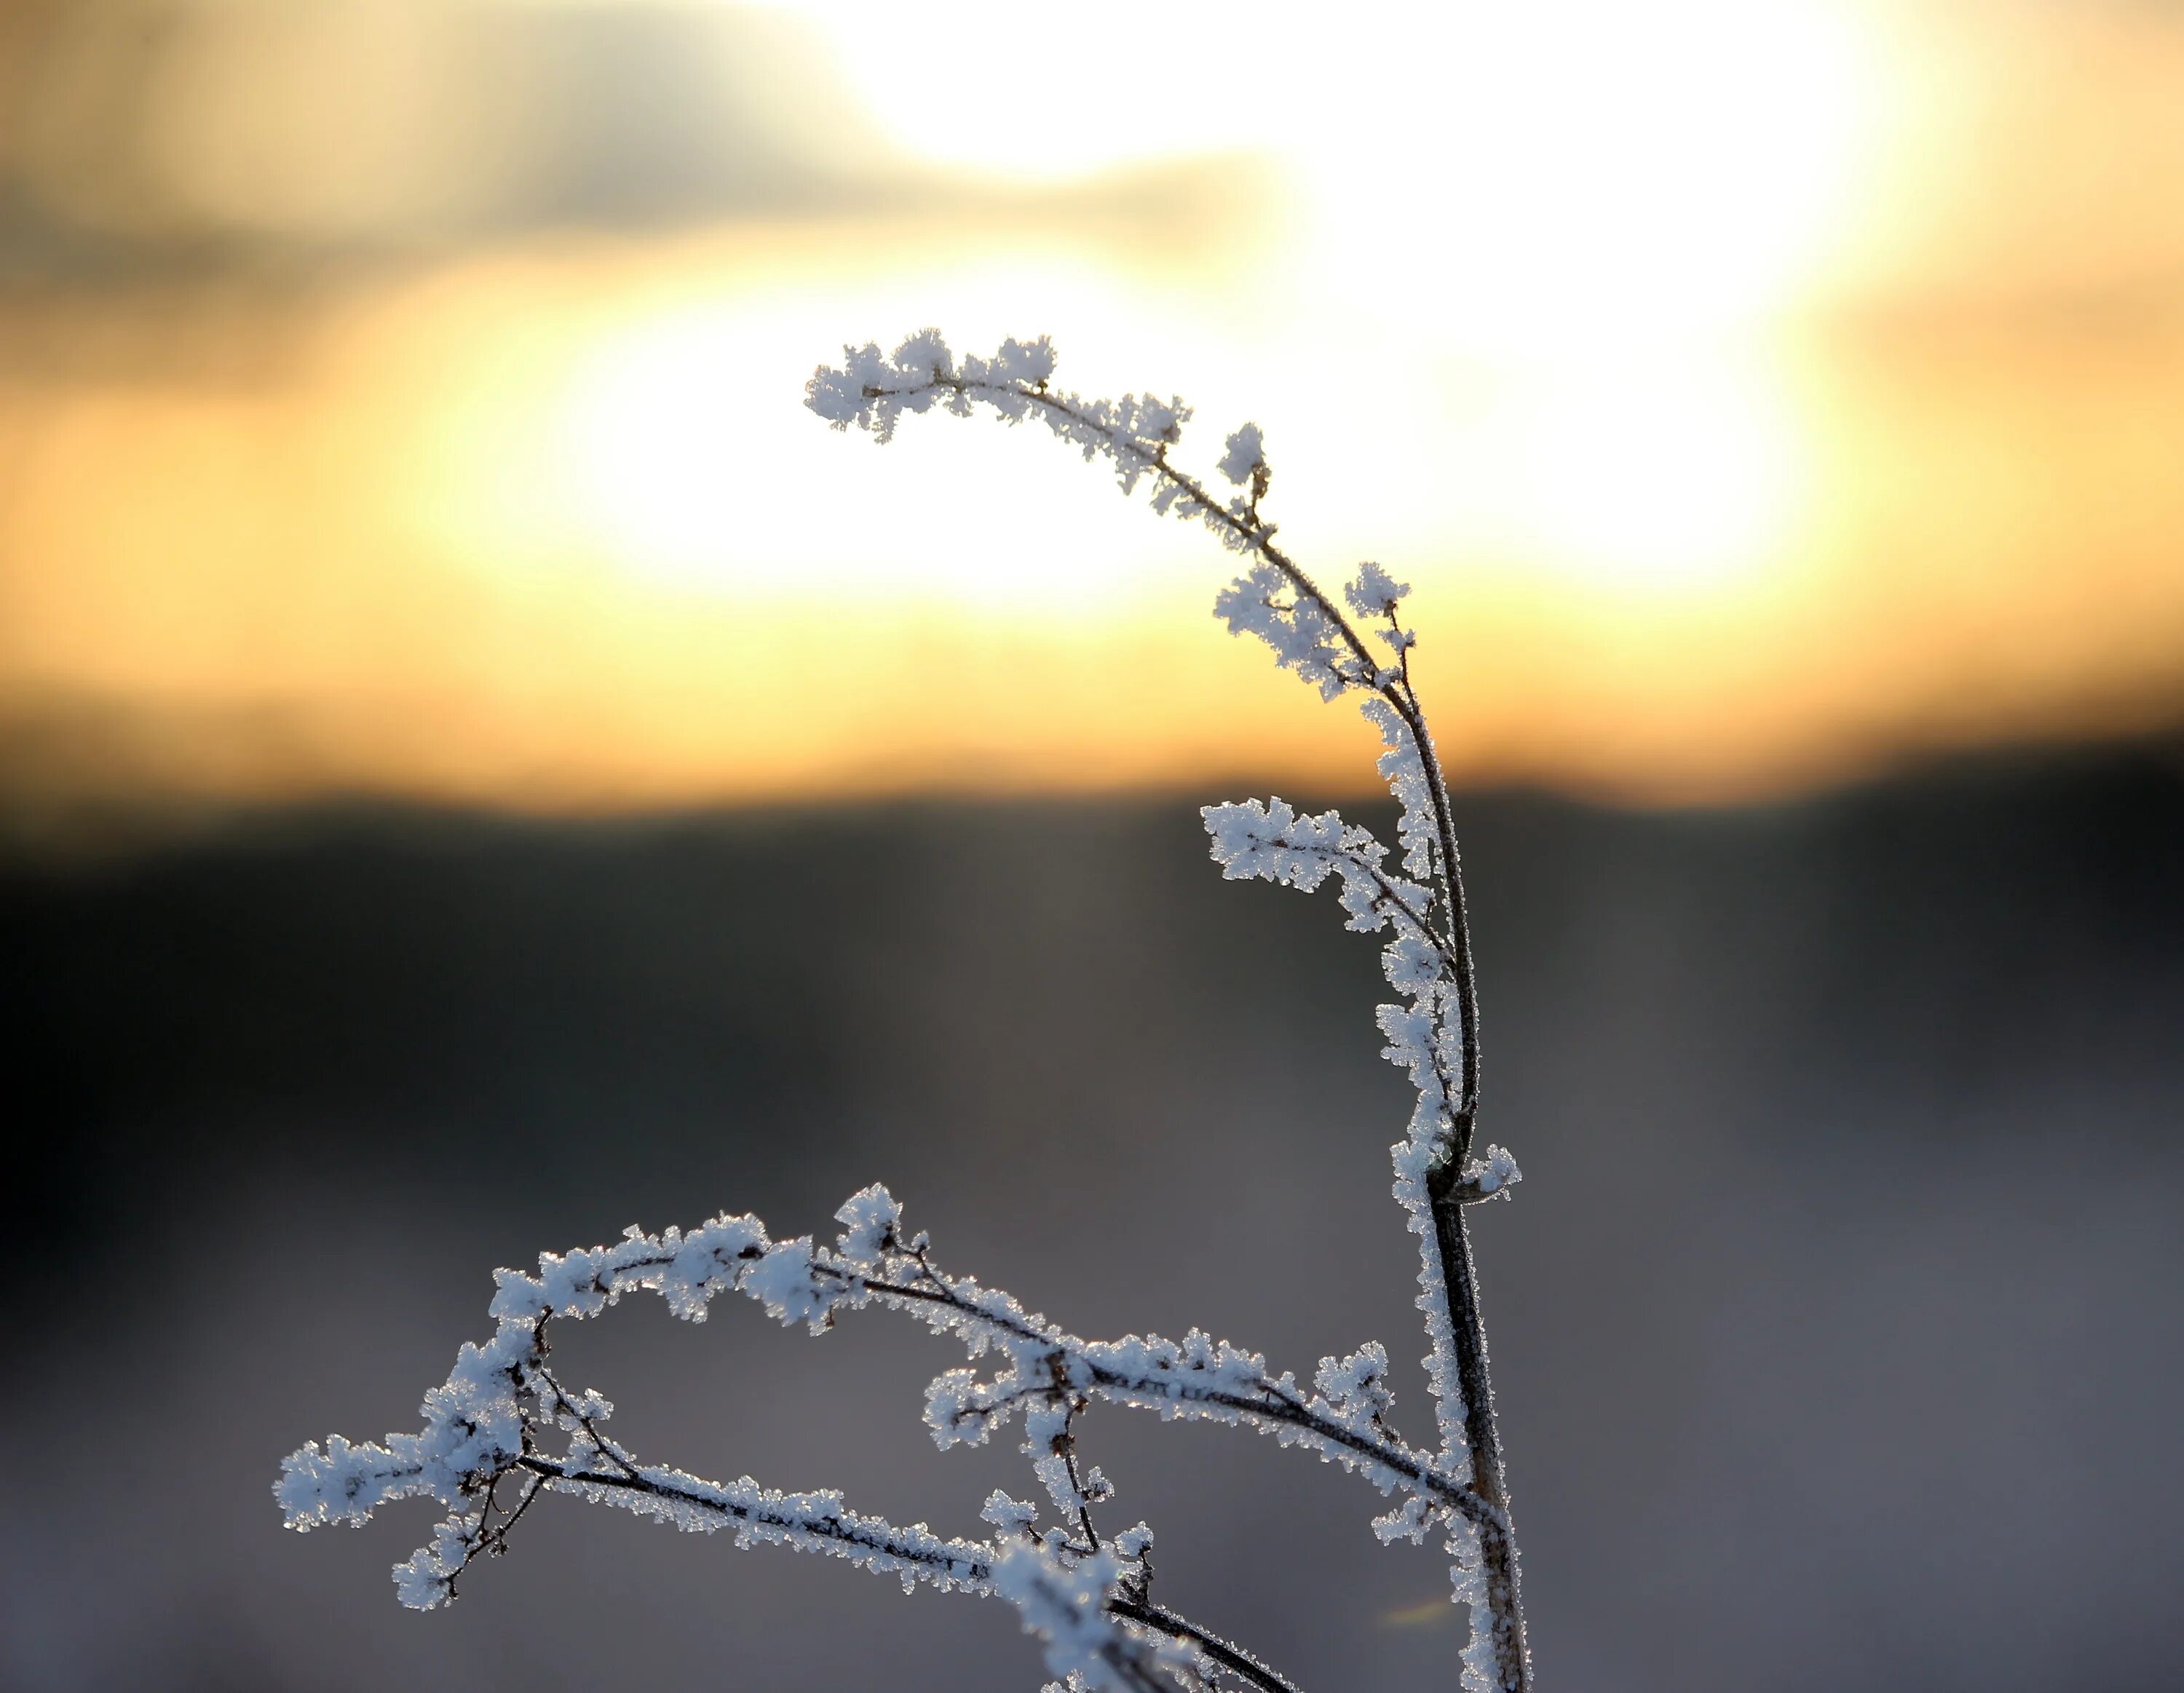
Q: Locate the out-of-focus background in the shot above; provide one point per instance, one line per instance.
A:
(401, 397)
(481, 766)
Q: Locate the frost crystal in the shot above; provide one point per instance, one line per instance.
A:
(1066, 1606)
(502, 1429)
(1246, 453)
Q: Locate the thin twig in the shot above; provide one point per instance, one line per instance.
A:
(1229, 1656)
(1459, 1275)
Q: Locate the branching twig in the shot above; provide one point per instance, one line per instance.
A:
(1311, 634)
(1087, 1595)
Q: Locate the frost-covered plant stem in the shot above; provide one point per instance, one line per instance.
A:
(504, 1419)
(872, 391)
(1459, 1276)
(1497, 1541)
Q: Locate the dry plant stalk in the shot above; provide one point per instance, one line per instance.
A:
(503, 1430)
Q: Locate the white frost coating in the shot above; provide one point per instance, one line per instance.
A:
(502, 1429)
(1424, 1037)
(1405, 772)
(871, 391)
(869, 1219)
(1305, 638)
(492, 1421)
(1375, 593)
(1010, 1515)
(1066, 1607)
(1247, 455)
(1358, 1385)
(1496, 1172)
(1277, 602)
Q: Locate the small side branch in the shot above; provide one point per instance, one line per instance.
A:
(787, 1520)
(1226, 1654)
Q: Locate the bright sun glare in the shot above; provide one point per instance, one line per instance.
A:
(1556, 171)
(1703, 364)
(1577, 219)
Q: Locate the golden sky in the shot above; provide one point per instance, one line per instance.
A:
(404, 398)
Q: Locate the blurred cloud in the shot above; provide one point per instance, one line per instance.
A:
(402, 396)
(144, 132)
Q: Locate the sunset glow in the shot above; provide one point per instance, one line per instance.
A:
(1706, 370)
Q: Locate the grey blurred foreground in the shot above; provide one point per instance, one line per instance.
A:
(1836, 1323)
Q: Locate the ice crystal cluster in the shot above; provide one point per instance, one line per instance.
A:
(503, 1429)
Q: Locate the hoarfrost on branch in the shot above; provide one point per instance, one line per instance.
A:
(502, 1429)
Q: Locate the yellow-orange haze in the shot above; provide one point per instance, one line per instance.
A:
(1756, 394)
